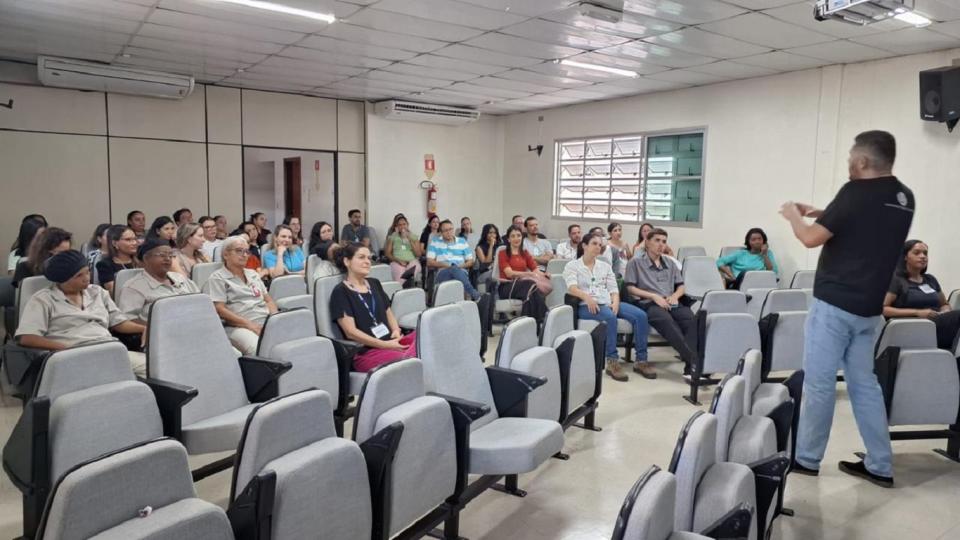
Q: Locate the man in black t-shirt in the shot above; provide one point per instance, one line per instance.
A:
(862, 232)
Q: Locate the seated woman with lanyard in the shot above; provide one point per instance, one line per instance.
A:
(284, 256)
(915, 293)
(403, 251)
(240, 296)
(158, 280)
(324, 246)
(521, 278)
(72, 312)
(755, 255)
(362, 310)
(121, 255)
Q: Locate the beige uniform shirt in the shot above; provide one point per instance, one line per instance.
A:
(143, 290)
(246, 299)
(50, 315)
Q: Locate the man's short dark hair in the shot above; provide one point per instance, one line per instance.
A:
(178, 213)
(880, 145)
(205, 218)
(131, 214)
(571, 227)
(352, 212)
(656, 232)
(514, 218)
(528, 220)
(446, 221)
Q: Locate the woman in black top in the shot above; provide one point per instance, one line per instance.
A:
(915, 293)
(432, 229)
(362, 310)
(121, 255)
(487, 247)
(322, 242)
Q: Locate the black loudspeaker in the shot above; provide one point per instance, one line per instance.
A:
(940, 94)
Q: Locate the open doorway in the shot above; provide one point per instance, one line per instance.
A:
(291, 186)
(286, 182)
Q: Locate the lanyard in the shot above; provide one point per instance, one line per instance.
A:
(373, 300)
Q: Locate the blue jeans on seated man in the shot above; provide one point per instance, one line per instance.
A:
(636, 316)
(835, 339)
(459, 274)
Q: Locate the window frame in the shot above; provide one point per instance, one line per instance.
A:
(644, 135)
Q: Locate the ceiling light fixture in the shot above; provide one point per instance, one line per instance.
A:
(912, 17)
(605, 69)
(280, 8)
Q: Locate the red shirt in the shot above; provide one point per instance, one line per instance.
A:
(520, 263)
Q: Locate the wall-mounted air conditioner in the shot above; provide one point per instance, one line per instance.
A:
(81, 75)
(423, 112)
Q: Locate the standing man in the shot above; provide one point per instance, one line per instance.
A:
(568, 248)
(539, 247)
(355, 231)
(862, 232)
(452, 256)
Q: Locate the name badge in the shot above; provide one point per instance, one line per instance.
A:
(380, 330)
(927, 289)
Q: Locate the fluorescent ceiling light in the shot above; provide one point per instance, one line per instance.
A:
(913, 18)
(279, 8)
(615, 71)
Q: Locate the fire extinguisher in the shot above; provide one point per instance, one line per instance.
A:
(432, 197)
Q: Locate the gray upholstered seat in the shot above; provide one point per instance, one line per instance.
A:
(304, 301)
(921, 387)
(785, 344)
(448, 292)
(556, 296)
(382, 273)
(556, 266)
(803, 279)
(575, 349)
(187, 346)
(25, 289)
(144, 491)
(759, 279)
(728, 336)
(690, 251)
(327, 327)
(519, 350)
(407, 306)
(285, 286)
(784, 300)
(728, 250)
(779, 401)
(122, 277)
(202, 271)
(700, 275)
(624, 332)
(319, 480)
(907, 334)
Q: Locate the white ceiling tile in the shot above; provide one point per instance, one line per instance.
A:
(359, 34)
(547, 99)
(258, 17)
(484, 56)
(632, 25)
(760, 4)
(280, 64)
(947, 28)
(163, 49)
(453, 12)
(447, 97)
(683, 11)
(939, 10)
(693, 40)
(643, 68)
(270, 86)
(343, 59)
(303, 79)
(109, 8)
(801, 14)
(424, 71)
(909, 41)
(487, 91)
(661, 56)
(533, 8)
(733, 70)
(559, 70)
(562, 34)
(455, 64)
(381, 86)
(579, 93)
(380, 75)
(509, 84)
(201, 24)
(84, 14)
(515, 45)
(841, 52)
(200, 59)
(688, 77)
(767, 31)
(639, 85)
(211, 40)
(16, 40)
(324, 43)
(414, 26)
(43, 27)
(781, 61)
(540, 78)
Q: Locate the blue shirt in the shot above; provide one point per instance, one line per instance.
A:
(456, 252)
(293, 259)
(743, 260)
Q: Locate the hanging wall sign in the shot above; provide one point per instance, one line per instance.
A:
(429, 166)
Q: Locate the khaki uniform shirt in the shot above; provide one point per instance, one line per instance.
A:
(143, 290)
(49, 314)
(246, 299)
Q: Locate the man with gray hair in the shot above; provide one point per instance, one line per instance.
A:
(862, 232)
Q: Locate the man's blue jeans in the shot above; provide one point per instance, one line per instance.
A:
(636, 316)
(459, 274)
(835, 339)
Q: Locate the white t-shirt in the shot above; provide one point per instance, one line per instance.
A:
(600, 283)
(12, 261)
(209, 246)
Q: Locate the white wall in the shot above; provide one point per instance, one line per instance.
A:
(469, 171)
(769, 140)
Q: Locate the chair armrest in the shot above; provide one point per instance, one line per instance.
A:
(510, 390)
(260, 376)
(771, 466)
(734, 524)
(26, 454)
(379, 451)
(464, 413)
(345, 350)
(251, 513)
(171, 397)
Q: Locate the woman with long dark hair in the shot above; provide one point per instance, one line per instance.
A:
(165, 229)
(121, 255)
(48, 243)
(402, 250)
(914, 293)
(323, 244)
(487, 247)
(296, 227)
(521, 278)
(30, 228)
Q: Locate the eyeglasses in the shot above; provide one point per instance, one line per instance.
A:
(236, 250)
(162, 254)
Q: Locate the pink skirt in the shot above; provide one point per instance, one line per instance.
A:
(372, 358)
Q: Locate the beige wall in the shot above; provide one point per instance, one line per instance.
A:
(59, 156)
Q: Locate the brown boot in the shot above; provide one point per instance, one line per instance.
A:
(614, 371)
(645, 370)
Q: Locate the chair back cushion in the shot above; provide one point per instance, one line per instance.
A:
(381, 272)
(727, 406)
(752, 374)
(559, 321)
(927, 389)
(700, 275)
(725, 302)
(759, 279)
(471, 316)
(647, 512)
(518, 336)
(448, 292)
(314, 365)
(907, 334)
(322, 291)
(695, 453)
(83, 367)
(284, 286)
(779, 300)
(202, 271)
(285, 326)
(27, 288)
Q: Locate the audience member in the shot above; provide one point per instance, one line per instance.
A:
(121, 255)
(755, 255)
(325, 247)
(183, 216)
(137, 221)
(164, 228)
(402, 250)
(430, 232)
(222, 227)
(466, 232)
(568, 248)
(538, 247)
(30, 228)
(487, 247)
(48, 243)
(240, 296)
(210, 241)
(97, 245)
(259, 219)
(155, 282)
(362, 310)
(284, 257)
(645, 229)
(296, 227)
(915, 293)
(452, 257)
(189, 249)
(521, 278)
(72, 311)
(619, 246)
(592, 281)
(609, 255)
(655, 285)
(355, 230)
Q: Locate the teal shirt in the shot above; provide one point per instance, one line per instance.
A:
(743, 260)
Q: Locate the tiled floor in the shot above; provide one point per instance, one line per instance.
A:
(579, 498)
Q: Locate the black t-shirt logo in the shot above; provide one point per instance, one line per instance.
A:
(902, 198)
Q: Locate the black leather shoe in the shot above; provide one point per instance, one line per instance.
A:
(857, 468)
